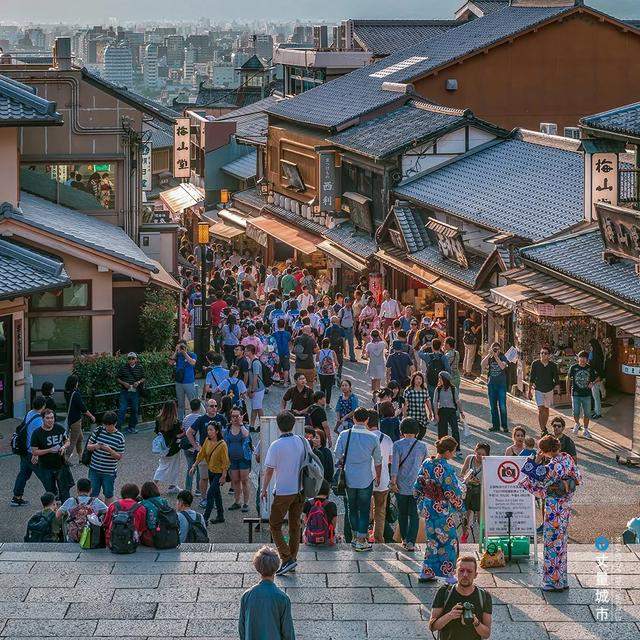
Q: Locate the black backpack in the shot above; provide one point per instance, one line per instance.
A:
(19, 438)
(167, 531)
(196, 532)
(40, 527)
(267, 377)
(124, 538)
(436, 365)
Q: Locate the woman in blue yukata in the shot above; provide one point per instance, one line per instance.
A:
(553, 476)
(439, 495)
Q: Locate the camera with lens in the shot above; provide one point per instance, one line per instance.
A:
(467, 613)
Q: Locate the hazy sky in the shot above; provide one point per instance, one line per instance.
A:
(126, 10)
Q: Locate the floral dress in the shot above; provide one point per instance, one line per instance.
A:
(344, 407)
(368, 322)
(439, 496)
(555, 483)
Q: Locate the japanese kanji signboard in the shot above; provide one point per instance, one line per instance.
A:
(182, 148)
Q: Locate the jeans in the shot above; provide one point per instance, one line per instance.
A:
(190, 457)
(581, 403)
(407, 517)
(359, 506)
(214, 495)
(281, 506)
(326, 385)
(348, 334)
(498, 405)
(24, 473)
(432, 391)
(229, 354)
(448, 419)
(129, 399)
(340, 355)
(101, 482)
(53, 480)
(596, 392)
(184, 389)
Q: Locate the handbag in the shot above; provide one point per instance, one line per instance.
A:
(340, 486)
(159, 446)
(492, 557)
(85, 459)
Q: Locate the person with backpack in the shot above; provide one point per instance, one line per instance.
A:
(435, 361)
(446, 408)
(304, 348)
(234, 392)
(75, 510)
(192, 524)
(215, 453)
(161, 531)
(238, 444)
(320, 518)
(406, 460)
(451, 604)
(327, 364)
(105, 448)
(125, 522)
(44, 526)
(417, 403)
(282, 340)
(21, 446)
(256, 387)
(336, 335)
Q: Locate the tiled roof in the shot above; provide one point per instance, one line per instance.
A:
(392, 132)
(527, 189)
(580, 257)
(624, 120)
(360, 92)
(25, 271)
(260, 106)
(243, 168)
(78, 228)
(161, 135)
(132, 98)
(411, 224)
(383, 37)
(431, 258)
(351, 239)
(251, 121)
(19, 105)
(295, 219)
(223, 97)
(490, 6)
(250, 197)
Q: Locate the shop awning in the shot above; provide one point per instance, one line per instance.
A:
(182, 197)
(333, 250)
(510, 295)
(300, 240)
(225, 231)
(398, 261)
(588, 303)
(163, 278)
(234, 216)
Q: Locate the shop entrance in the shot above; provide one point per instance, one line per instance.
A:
(6, 368)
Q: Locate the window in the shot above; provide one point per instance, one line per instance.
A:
(85, 187)
(75, 296)
(59, 334)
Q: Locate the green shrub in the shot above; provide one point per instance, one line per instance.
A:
(97, 375)
(157, 320)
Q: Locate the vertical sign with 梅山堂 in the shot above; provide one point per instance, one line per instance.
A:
(182, 148)
(145, 164)
(328, 181)
(604, 180)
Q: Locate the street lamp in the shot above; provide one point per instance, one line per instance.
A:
(224, 197)
(202, 329)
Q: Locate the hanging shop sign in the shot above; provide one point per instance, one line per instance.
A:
(257, 234)
(631, 369)
(620, 229)
(329, 179)
(145, 166)
(182, 148)
(604, 179)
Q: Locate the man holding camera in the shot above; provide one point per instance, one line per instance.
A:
(462, 611)
(184, 362)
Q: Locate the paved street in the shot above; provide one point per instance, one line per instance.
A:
(337, 594)
(607, 499)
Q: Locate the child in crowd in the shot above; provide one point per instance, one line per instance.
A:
(320, 517)
(529, 446)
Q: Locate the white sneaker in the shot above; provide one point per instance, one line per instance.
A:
(576, 428)
(586, 433)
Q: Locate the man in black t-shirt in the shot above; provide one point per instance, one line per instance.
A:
(448, 610)
(48, 445)
(300, 396)
(243, 364)
(317, 414)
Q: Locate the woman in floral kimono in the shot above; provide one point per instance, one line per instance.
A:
(439, 495)
(553, 476)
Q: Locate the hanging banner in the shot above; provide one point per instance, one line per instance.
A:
(182, 148)
(328, 181)
(145, 166)
(604, 180)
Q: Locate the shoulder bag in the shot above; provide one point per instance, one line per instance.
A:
(340, 484)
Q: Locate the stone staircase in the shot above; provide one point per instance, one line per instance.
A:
(59, 590)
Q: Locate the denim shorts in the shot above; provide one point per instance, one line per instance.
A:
(101, 481)
(239, 465)
(581, 402)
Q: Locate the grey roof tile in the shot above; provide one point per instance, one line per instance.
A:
(353, 240)
(357, 93)
(527, 189)
(78, 227)
(431, 258)
(254, 108)
(411, 223)
(580, 257)
(161, 135)
(392, 132)
(383, 37)
(295, 219)
(25, 271)
(19, 105)
(250, 197)
(490, 6)
(624, 120)
(242, 168)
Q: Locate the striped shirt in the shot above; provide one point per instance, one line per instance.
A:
(101, 461)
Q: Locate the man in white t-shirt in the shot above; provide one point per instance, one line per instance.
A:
(389, 311)
(283, 461)
(381, 491)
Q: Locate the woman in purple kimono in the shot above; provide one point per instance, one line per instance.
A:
(439, 495)
(553, 476)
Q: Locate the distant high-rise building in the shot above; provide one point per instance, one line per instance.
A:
(118, 65)
(37, 38)
(150, 66)
(302, 35)
(189, 62)
(263, 45)
(175, 51)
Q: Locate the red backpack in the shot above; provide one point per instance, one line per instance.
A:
(318, 530)
(78, 519)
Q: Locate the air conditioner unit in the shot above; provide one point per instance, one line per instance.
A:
(550, 128)
(572, 132)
